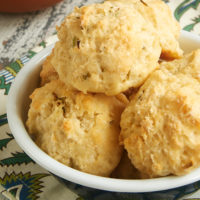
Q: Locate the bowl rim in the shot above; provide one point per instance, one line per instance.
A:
(108, 184)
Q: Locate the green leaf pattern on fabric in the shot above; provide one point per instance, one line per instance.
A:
(184, 7)
(16, 159)
(4, 142)
(3, 120)
(4, 85)
(190, 27)
(23, 186)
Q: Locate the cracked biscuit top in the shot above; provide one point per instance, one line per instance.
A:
(79, 130)
(161, 124)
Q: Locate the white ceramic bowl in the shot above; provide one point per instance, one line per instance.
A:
(17, 106)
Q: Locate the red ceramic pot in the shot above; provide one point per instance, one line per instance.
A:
(18, 6)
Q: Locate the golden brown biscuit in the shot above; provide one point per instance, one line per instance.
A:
(188, 65)
(167, 27)
(48, 72)
(79, 130)
(160, 16)
(106, 48)
(161, 124)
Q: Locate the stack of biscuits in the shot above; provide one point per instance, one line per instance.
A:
(117, 96)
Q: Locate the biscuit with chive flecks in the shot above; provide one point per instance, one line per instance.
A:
(160, 16)
(106, 48)
(160, 127)
(79, 130)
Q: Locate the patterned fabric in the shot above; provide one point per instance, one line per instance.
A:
(21, 178)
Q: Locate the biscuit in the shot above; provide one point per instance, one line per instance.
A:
(79, 130)
(48, 72)
(106, 48)
(168, 29)
(188, 65)
(160, 127)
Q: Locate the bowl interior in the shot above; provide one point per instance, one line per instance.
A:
(17, 106)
